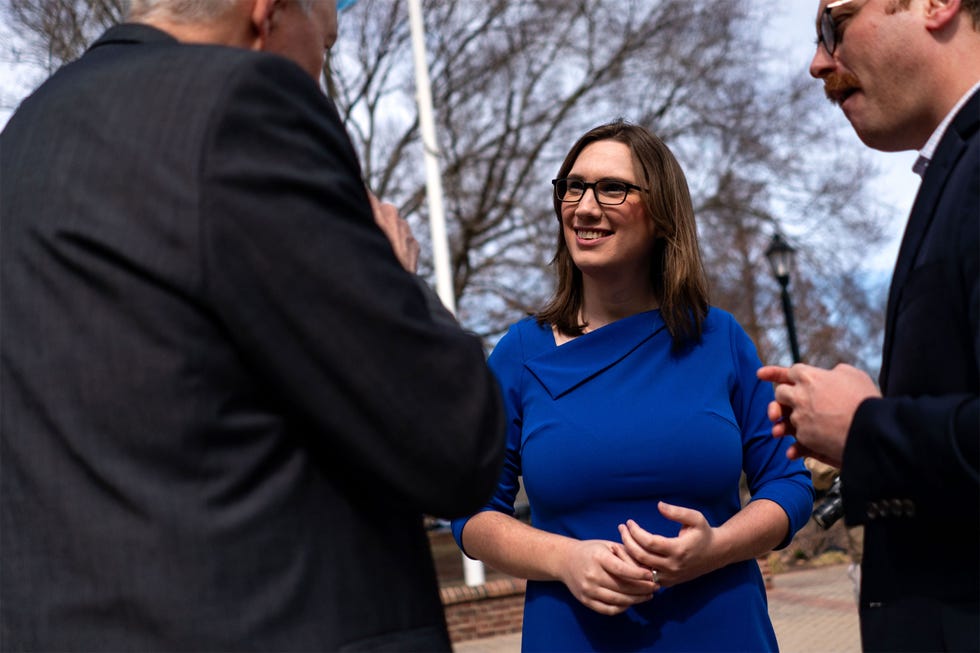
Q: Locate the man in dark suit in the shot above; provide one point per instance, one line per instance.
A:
(906, 74)
(225, 404)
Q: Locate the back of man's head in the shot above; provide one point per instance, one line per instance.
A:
(190, 11)
(300, 30)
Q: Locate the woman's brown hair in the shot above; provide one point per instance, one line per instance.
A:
(676, 269)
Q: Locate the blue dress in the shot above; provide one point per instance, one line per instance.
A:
(608, 424)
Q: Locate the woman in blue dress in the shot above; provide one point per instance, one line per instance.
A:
(633, 408)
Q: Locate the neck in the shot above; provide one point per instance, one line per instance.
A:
(233, 27)
(603, 304)
(958, 48)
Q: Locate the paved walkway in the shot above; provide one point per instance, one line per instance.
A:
(812, 610)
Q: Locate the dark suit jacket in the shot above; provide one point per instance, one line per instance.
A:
(910, 470)
(225, 405)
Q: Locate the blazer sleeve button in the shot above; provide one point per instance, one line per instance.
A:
(872, 510)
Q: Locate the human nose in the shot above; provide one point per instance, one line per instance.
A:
(823, 63)
(588, 204)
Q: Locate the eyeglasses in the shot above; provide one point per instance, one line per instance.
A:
(829, 35)
(608, 192)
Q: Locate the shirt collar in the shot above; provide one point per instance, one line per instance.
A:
(929, 149)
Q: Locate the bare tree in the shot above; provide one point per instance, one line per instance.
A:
(58, 31)
(515, 83)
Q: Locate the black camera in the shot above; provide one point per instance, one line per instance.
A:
(831, 508)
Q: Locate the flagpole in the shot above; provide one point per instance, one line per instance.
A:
(473, 572)
(433, 179)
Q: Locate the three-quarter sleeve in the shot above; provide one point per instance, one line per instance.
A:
(769, 473)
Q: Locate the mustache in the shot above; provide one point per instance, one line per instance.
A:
(835, 83)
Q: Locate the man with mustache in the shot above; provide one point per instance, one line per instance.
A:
(906, 75)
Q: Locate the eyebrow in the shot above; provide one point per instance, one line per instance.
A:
(832, 5)
(615, 179)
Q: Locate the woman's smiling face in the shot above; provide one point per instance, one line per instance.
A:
(603, 238)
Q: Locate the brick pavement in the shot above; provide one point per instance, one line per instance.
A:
(813, 611)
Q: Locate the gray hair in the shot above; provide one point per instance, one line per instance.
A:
(187, 11)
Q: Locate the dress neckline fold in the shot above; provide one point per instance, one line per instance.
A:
(562, 368)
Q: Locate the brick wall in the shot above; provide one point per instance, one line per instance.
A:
(494, 608)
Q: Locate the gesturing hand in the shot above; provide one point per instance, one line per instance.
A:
(398, 232)
(604, 578)
(676, 559)
(817, 406)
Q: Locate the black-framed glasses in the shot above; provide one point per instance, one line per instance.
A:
(829, 35)
(608, 192)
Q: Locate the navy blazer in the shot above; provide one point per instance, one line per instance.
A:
(225, 405)
(910, 469)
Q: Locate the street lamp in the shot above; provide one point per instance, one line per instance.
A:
(780, 256)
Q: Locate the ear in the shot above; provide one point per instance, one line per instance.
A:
(262, 16)
(940, 13)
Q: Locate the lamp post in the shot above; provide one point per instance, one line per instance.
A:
(780, 256)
